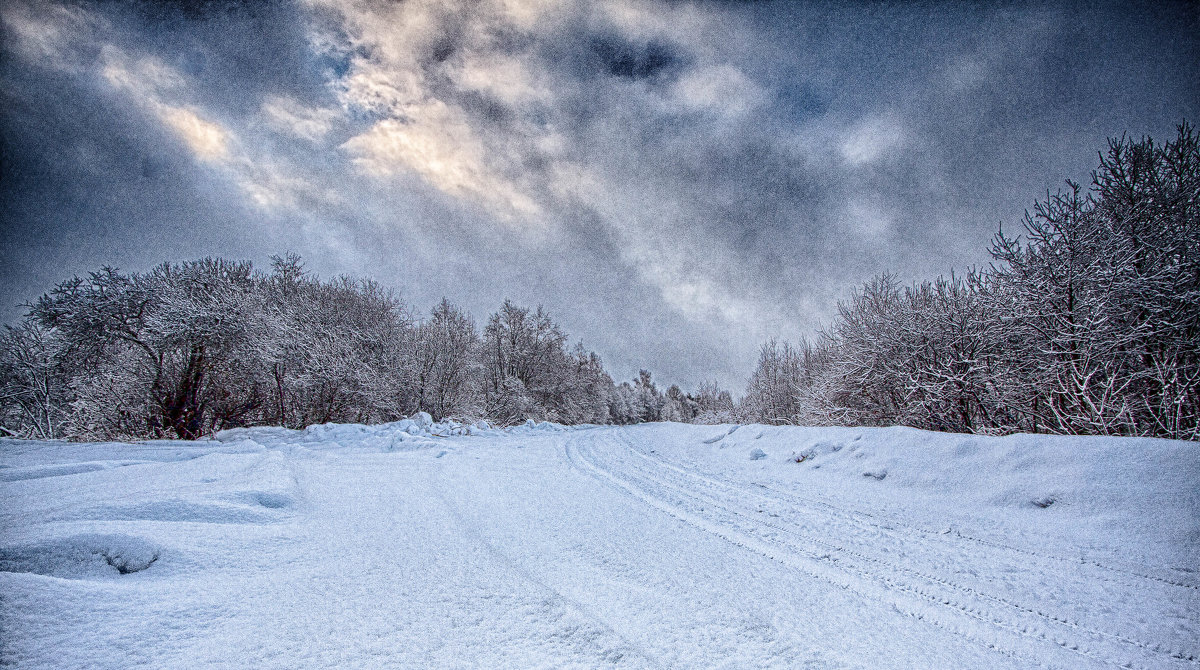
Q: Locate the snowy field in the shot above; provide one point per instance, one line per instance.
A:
(661, 545)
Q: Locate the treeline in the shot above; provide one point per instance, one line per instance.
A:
(1088, 324)
(188, 349)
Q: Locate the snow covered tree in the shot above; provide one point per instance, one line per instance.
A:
(446, 357)
(1104, 291)
(160, 349)
(678, 406)
(772, 394)
(623, 408)
(355, 365)
(34, 387)
(1089, 325)
(191, 348)
(528, 372)
(649, 402)
(713, 404)
(587, 389)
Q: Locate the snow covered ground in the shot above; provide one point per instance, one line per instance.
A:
(664, 545)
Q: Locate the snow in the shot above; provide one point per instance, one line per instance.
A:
(425, 544)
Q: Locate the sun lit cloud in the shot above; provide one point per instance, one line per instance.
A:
(267, 182)
(153, 85)
(61, 36)
(427, 75)
(207, 140)
(425, 129)
(470, 102)
(437, 144)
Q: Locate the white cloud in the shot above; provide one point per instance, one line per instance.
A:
(721, 88)
(874, 139)
(156, 87)
(146, 77)
(273, 184)
(508, 79)
(641, 20)
(424, 131)
(161, 90)
(433, 126)
(527, 14)
(50, 34)
(291, 117)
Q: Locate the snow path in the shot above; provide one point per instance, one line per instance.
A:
(945, 579)
(613, 547)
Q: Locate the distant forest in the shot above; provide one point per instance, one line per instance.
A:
(1088, 323)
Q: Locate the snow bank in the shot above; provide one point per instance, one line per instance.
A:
(416, 432)
(1139, 490)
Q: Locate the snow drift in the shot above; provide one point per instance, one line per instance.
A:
(426, 544)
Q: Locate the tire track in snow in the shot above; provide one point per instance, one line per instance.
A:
(815, 565)
(731, 490)
(889, 524)
(921, 585)
(888, 582)
(610, 655)
(1114, 641)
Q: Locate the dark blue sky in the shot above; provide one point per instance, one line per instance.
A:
(674, 181)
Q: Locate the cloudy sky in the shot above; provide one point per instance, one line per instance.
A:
(674, 181)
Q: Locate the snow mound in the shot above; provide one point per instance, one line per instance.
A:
(270, 500)
(757, 454)
(81, 556)
(541, 426)
(416, 432)
(422, 420)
